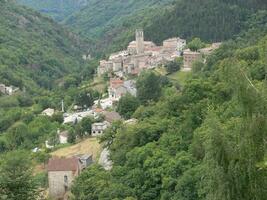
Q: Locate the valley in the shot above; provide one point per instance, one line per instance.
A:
(133, 100)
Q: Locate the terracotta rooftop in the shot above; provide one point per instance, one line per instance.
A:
(63, 164)
(116, 82)
(98, 110)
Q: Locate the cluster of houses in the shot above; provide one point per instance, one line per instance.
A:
(8, 90)
(141, 54)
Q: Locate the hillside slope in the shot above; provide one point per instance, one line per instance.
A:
(57, 9)
(34, 51)
(205, 141)
(111, 24)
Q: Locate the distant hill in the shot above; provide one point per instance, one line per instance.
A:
(103, 20)
(57, 9)
(111, 24)
(34, 50)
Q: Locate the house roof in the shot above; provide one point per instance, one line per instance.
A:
(98, 110)
(63, 164)
(116, 82)
(112, 116)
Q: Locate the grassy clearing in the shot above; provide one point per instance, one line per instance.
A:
(88, 146)
(179, 77)
(98, 84)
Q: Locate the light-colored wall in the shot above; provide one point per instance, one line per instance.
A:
(63, 139)
(56, 183)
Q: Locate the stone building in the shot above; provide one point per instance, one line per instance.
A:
(98, 128)
(63, 137)
(49, 112)
(119, 88)
(140, 47)
(189, 58)
(61, 173)
(86, 160)
(2, 88)
(141, 55)
(174, 45)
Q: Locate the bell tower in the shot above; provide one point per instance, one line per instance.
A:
(139, 35)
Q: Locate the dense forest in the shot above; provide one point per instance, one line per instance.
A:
(34, 49)
(211, 20)
(44, 60)
(202, 138)
(57, 9)
(109, 25)
(205, 140)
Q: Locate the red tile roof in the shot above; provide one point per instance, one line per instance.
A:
(116, 82)
(63, 164)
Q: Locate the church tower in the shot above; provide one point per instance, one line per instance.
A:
(139, 35)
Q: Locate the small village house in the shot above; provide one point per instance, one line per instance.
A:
(99, 128)
(118, 88)
(61, 173)
(86, 160)
(63, 137)
(48, 112)
(189, 58)
(2, 88)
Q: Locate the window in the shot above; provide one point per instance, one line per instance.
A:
(66, 179)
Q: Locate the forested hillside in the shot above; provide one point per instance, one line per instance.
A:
(103, 20)
(57, 9)
(34, 51)
(112, 24)
(42, 59)
(203, 141)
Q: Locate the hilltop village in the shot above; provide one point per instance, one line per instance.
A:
(122, 68)
(142, 55)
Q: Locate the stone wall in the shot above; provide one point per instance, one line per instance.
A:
(57, 187)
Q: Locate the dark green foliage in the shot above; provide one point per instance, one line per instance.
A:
(174, 66)
(206, 142)
(16, 180)
(196, 44)
(127, 106)
(35, 51)
(55, 8)
(86, 98)
(148, 87)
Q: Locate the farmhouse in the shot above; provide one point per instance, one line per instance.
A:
(61, 173)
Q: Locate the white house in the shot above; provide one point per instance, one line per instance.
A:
(2, 88)
(63, 137)
(98, 128)
(49, 112)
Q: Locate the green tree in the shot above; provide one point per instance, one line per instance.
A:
(17, 135)
(86, 125)
(148, 87)
(16, 180)
(196, 44)
(127, 105)
(174, 66)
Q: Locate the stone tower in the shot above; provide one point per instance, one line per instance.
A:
(139, 34)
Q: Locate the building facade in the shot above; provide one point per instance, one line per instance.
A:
(98, 128)
(61, 173)
(190, 57)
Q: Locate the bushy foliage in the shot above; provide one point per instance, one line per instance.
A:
(127, 105)
(205, 142)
